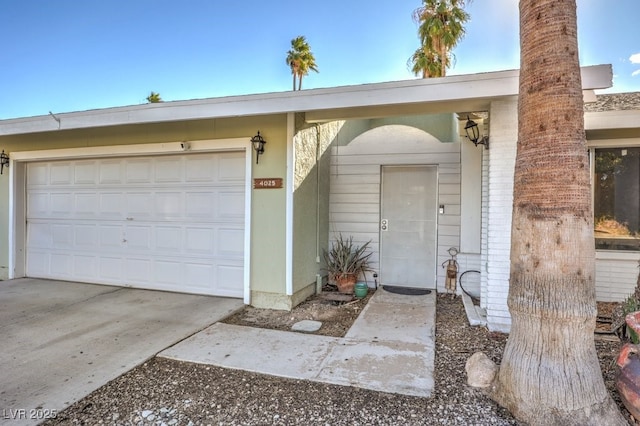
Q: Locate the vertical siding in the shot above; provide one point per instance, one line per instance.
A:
(354, 202)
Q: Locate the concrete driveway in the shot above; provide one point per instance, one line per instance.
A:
(63, 340)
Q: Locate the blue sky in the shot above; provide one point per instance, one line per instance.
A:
(70, 55)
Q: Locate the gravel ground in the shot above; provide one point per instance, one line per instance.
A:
(177, 393)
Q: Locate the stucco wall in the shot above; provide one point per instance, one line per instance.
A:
(311, 204)
(441, 126)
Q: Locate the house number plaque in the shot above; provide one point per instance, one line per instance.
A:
(267, 183)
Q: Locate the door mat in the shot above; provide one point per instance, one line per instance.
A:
(406, 290)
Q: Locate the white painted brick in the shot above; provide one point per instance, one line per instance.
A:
(498, 201)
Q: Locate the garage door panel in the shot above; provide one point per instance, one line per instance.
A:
(111, 269)
(111, 237)
(86, 204)
(138, 171)
(199, 276)
(38, 174)
(169, 239)
(85, 267)
(166, 222)
(202, 169)
(38, 262)
(139, 205)
(200, 205)
(230, 242)
(39, 235)
(86, 237)
(138, 238)
(199, 241)
(138, 270)
(168, 205)
(111, 205)
(168, 170)
(231, 205)
(231, 168)
(226, 275)
(84, 173)
(62, 235)
(110, 172)
(168, 273)
(61, 265)
(60, 205)
(38, 204)
(60, 173)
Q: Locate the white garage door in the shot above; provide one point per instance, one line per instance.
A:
(173, 222)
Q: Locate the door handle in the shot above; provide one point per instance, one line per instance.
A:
(384, 225)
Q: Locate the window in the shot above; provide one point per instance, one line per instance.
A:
(616, 206)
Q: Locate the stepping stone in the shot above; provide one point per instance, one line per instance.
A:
(307, 326)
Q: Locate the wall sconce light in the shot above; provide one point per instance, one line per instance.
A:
(473, 133)
(4, 161)
(258, 144)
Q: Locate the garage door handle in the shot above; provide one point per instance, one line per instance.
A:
(129, 218)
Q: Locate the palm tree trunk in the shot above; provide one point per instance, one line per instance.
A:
(300, 82)
(443, 58)
(294, 81)
(550, 372)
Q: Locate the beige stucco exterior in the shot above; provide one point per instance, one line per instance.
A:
(268, 272)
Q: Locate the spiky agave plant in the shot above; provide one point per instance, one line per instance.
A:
(346, 258)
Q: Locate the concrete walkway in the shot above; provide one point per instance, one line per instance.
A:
(390, 348)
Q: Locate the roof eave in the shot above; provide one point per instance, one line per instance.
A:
(319, 104)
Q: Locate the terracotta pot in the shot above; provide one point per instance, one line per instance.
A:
(346, 282)
(628, 380)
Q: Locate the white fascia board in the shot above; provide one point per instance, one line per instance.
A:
(446, 89)
(604, 120)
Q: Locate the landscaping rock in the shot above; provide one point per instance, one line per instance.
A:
(307, 326)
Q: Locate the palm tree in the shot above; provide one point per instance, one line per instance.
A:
(300, 60)
(154, 98)
(441, 27)
(424, 62)
(550, 373)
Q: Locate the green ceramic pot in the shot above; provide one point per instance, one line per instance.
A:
(361, 289)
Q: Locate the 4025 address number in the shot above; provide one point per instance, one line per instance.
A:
(267, 183)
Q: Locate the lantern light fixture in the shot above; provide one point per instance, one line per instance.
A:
(473, 134)
(4, 161)
(258, 144)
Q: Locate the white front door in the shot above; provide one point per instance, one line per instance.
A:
(408, 226)
(166, 222)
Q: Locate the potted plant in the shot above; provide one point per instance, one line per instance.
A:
(345, 262)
